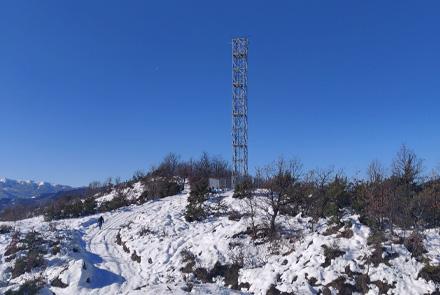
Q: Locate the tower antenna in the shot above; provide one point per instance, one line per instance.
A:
(239, 109)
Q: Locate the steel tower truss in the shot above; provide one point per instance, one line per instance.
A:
(239, 108)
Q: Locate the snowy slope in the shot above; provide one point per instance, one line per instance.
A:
(144, 250)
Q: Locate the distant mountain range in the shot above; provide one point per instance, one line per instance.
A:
(25, 189)
(29, 192)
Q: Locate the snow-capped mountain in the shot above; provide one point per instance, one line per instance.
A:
(24, 189)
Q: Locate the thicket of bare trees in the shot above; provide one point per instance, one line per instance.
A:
(402, 197)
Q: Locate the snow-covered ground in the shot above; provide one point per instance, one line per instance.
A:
(144, 249)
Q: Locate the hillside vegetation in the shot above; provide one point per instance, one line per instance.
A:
(283, 231)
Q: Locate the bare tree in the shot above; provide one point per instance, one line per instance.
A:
(376, 172)
(168, 166)
(219, 167)
(279, 181)
(251, 208)
(203, 166)
(184, 170)
(94, 185)
(318, 199)
(138, 175)
(377, 193)
(109, 182)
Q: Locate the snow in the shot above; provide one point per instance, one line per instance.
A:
(130, 192)
(158, 233)
(432, 244)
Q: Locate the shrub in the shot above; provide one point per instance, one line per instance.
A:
(346, 234)
(330, 254)
(135, 257)
(5, 229)
(13, 246)
(160, 187)
(376, 238)
(55, 249)
(70, 207)
(338, 190)
(235, 215)
(33, 240)
(19, 211)
(383, 286)
(58, 283)
(414, 244)
(26, 263)
(380, 255)
(125, 248)
(28, 288)
(331, 209)
(89, 206)
(117, 202)
(361, 283)
(118, 238)
(189, 260)
(243, 189)
(430, 273)
(341, 286)
(229, 272)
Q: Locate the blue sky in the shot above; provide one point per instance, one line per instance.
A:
(91, 89)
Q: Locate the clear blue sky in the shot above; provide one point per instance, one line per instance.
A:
(91, 89)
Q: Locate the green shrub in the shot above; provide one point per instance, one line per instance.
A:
(430, 273)
(330, 210)
(117, 202)
(70, 208)
(243, 189)
(195, 209)
(376, 238)
(160, 187)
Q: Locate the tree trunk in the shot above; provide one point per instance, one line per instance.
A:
(272, 222)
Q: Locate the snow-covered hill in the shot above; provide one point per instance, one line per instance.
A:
(152, 249)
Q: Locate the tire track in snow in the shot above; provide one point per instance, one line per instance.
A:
(114, 259)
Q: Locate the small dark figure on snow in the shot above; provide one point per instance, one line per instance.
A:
(100, 221)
